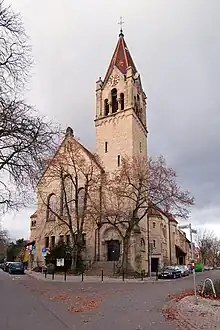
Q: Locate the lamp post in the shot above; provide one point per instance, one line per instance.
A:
(192, 231)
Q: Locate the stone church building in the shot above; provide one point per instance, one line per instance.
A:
(121, 130)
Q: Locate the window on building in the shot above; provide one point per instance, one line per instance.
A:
(81, 201)
(138, 102)
(135, 104)
(140, 147)
(51, 207)
(61, 238)
(67, 196)
(122, 101)
(114, 100)
(154, 243)
(106, 146)
(154, 224)
(106, 107)
(33, 223)
(119, 160)
(47, 242)
(67, 239)
(52, 241)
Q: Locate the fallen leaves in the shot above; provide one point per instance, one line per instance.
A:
(178, 296)
(170, 313)
(84, 304)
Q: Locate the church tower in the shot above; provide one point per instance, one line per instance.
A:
(121, 127)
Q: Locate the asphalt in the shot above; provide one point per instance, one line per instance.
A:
(132, 306)
(19, 310)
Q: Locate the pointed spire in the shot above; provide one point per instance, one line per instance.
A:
(121, 57)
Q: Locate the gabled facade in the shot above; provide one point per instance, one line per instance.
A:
(47, 229)
(170, 245)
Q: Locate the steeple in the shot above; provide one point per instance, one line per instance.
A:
(121, 58)
(121, 127)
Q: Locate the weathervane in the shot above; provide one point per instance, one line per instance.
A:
(121, 22)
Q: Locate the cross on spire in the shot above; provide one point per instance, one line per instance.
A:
(121, 22)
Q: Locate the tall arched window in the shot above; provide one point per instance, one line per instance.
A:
(67, 196)
(114, 100)
(122, 101)
(81, 200)
(135, 104)
(106, 107)
(138, 102)
(51, 207)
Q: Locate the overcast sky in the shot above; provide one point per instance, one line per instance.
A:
(176, 47)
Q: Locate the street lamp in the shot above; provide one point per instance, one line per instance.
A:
(192, 231)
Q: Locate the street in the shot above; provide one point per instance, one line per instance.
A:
(30, 303)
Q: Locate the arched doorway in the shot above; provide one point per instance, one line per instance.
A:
(113, 250)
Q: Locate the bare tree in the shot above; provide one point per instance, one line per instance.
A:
(26, 139)
(4, 240)
(68, 189)
(209, 247)
(135, 187)
(15, 53)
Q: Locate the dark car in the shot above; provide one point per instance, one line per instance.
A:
(16, 268)
(6, 266)
(170, 272)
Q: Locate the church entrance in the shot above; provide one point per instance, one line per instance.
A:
(113, 249)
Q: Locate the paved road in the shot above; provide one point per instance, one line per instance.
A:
(19, 310)
(28, 303)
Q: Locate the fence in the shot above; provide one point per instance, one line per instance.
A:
(123, 276)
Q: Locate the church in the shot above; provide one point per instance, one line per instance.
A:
(121, 130)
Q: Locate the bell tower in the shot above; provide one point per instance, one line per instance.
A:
(121, 126)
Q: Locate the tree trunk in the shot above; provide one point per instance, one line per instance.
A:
(98, 254)
(124, 264)
(74, 260)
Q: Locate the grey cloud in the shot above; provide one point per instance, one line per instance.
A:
(176, 47)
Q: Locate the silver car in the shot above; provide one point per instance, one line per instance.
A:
(184, 270)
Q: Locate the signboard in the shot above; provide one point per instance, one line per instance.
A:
(60, 262)
(44, 250)
(44, 254)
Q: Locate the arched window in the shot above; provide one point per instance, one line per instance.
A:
(51, 207)
(114, 100)
(135, 104)
(106, 107)
(67, 196)
(142, 243)
(138, 102)
(122, 101)
(81, 200)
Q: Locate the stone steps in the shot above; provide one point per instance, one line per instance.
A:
(98, 266)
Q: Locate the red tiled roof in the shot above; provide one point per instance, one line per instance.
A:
(121, 58)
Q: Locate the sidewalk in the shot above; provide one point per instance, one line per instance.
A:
(88, 279)
(204, 315)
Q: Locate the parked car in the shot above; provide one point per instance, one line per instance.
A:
(6, 266)
(184, 270)
(206, 268)
(16, 268)
(170, 272)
